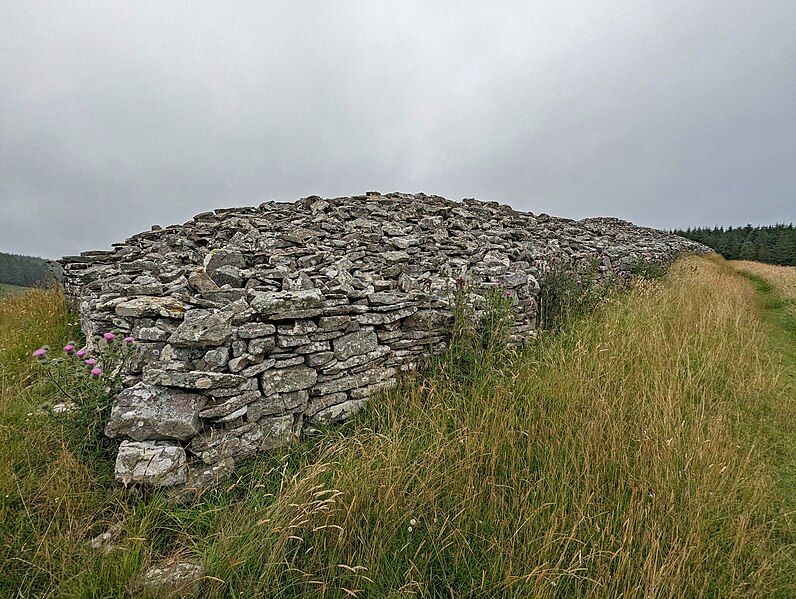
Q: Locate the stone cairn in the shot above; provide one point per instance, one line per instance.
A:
(255, 324)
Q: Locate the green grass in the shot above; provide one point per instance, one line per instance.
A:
(776, 303)
(641, 452)
(6, 289)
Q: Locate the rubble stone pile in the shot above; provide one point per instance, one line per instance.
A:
(255, 324)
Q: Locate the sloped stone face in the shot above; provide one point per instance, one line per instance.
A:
(292, 313)
(144, 412)
(154, 463)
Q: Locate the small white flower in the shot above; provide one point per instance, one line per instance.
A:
(413, 522)
(409, 529)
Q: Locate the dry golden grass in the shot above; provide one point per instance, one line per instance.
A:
(27, 321)
(617, 460)
(783, 278)
(626, 457)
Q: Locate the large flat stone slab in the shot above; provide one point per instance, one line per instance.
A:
(287, 301)
(154, 463)
(203, 328)
(146, 412)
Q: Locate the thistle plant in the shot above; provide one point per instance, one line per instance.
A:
(88, 380)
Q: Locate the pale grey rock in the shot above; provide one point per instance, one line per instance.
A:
(297, 328)
(239, 413)
(284, 380)
(277, 404)
(386, 299)
(312, 347)
(334, 323)
(171, 578)
(152, 334)
(277, 431)
(144, 285)
(229, 405)
(219, 445)
(144, 413)
(286, 301)
(65, 407)
(228, 275)
(338, 412)
(241, 362)
(344, 383)
(218, 258)
(218, 357)
(357, 360)
(239, 347)
(322, 402)
(395, 257)
(151, 306)
(257, 369)
(202, 328)
(192, 379)
(291, 341)
(317, 360)
(378, 387)
(255, 330)
(285, 362)
(261, 345)
(203, 477)
(353, 344)
(104, 542)
(154, 463)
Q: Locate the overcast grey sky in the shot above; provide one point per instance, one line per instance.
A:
(118, 115)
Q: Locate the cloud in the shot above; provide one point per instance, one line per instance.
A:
(114, 117)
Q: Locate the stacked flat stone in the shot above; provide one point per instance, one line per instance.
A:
(254, 324)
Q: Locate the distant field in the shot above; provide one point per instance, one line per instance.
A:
(11, 289)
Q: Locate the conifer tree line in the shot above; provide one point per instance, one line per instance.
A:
(774, 244)
(25, 271)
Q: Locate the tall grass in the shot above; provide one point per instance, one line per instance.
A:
(622, 457)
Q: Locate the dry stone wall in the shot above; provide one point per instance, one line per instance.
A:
(254, 324)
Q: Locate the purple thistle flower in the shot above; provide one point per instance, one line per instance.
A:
(40, 353)
(81, 353)
(70, 349)
(90, 361)
(128, 339)
(109, 336)
(96, 372)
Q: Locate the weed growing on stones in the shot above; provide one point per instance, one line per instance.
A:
(569, 291)
(88, 380)
(480, 330)
(647, 269)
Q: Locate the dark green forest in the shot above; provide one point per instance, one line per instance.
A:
(25, 271)
(774, 244)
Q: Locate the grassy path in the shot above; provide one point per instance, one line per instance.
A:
(647, 451)
(776, 288)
